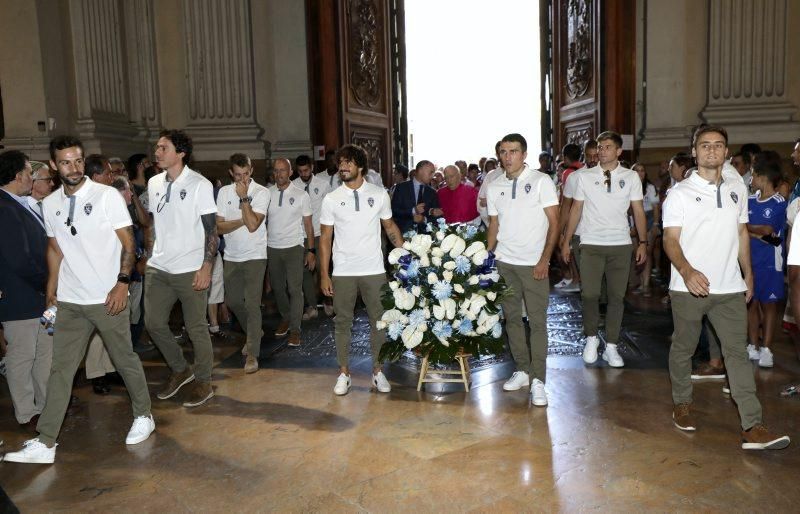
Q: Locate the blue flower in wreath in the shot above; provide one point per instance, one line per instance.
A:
(465, 326)
(497, 330)
(471, 231)
(413, 269)
(395, 329)
(416, 318)
(442, 329)
(429, 227)
(409, 234)
(442, 290)
(463, 265)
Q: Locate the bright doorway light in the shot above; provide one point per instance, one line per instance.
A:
(472, 76)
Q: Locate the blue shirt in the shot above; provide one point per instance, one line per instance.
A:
(772, 212)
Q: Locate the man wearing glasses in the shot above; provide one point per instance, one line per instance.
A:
(602, 197)
(90, 255)
(182, 246)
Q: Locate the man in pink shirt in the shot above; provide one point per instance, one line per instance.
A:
(457, 200)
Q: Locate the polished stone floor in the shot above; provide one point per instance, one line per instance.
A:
(281, 441)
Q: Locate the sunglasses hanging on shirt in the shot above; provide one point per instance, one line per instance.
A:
(71, 216)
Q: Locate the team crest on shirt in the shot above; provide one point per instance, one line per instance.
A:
(316, 191)
(597, 183)
(342, 204)
(502, 193)
(87, 208)
(622, 184)
(734, 197)
(527, 188)
(371, 201)
(697, 199)
(183, 194)
(767, 212)
(291, 201)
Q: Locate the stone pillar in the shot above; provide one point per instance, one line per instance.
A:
(219, 85)
(747, 68)
(101, 89)
(145, 105)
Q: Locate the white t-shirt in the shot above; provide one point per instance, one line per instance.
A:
(285, 216)
(650, 199)
(241, 244)
(488, 179)
(91, 261)
(793, 257)
(180, 237)
(317, 188)
(519, 205)
(355, 216)
(709, 218)
(373, 177)
(333, 181)
(569, 192)
(604, 220)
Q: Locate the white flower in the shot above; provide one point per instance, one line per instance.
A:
(473, 280)
(393, 285)
(407, 245)
(477, 304)
(394, 255)
(423, 302)
(450, 265)
(439, 235)
(427, 312)
(474, 248)
(448, 242)
(465, 306)
(432, 278)
(437, 261)
(482, 329)
(491, 295)
(392, 315)
(424, 261)
(416, 290)
(443, 341)
(439, 312)
(411, 337)
(447, 275)
(404, 300)
(380, 325)
(458, 288)
(458, 248)
(471, 315)
(420, 244)
(437, 252)
(479, 257)
(450, 307)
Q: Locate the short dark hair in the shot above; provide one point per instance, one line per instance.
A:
(133, 162)
(473, 166)
(572, 152)
(744, 156)
(683, 159)
(516, 138)
(355, 154)
(589, 143)
(120, 183)
(239, 159)
(768, 163)
(423, 162)
(94, 165)
(62, 142)
(610, 135)
(751, 148)
(181, 141)
(402, 170)
(706, 129)
(497, 147)
(11, 163)
(303, 160)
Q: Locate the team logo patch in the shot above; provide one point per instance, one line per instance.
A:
(371, 201)
(87, 209)
(597, 183)
(503, 193)
(734, 197)
(342, 204)
(183, 194)
(621, 184)
(229, 202)
(291, 201)
(58, 213)
(527, 188)
(767, 212)
(316, 190)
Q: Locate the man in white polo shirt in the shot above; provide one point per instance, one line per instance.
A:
(523, 231)
(316, 187)
(241, 208)
(182, 244)
(289, 224)
(90, 255)
(706, 239)
(354, 214)
(488, 179)
(603, 195)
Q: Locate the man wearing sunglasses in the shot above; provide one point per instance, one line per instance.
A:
(602, 197)
(90, 256)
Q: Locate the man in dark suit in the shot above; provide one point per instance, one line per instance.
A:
(23, 275)
(415, 202)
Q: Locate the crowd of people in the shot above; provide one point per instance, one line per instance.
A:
(107, 248)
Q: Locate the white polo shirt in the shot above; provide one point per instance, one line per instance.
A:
(604, 220)
(793, 258)
(180, 237)
(488, 179)
(285, 216)
(241, 244)
(333, 181)
(709, 218)
(519, 206)
(355, 216)
(568, 191)
(91, 261)
(316, 188)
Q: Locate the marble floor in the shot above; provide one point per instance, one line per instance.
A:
(280, 441)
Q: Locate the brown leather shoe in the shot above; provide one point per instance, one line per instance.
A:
(200, 394)
(175, 382)
(294, 338)
(760, 438)
(250, 364)
(706, 371)
(283, 329)
(682, 418)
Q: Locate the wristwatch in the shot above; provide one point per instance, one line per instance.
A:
(123, 278)
(246, 199)
(311, 250)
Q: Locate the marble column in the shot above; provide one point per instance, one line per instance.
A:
(747, 68)
(220, 86)
(145, 105)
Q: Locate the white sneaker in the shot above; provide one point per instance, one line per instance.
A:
(564, 283)
(574, 287)
(590, 350)
(141, 429)
(342, 385)
(765, 359)
(518, 380)
(380, 383)
(753, 353)
(612, 357)
(33, 452)
(538, 393)
(310, 313)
